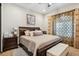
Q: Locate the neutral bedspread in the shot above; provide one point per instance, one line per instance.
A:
(36, 42)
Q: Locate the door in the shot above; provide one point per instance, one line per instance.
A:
(0, 27)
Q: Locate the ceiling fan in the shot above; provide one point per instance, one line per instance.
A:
(49, 4)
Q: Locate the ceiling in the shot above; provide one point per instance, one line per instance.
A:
(42, 7)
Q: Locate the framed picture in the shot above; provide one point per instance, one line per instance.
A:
(30, 19)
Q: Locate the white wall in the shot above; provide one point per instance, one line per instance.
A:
(60, 10)
(15, 16)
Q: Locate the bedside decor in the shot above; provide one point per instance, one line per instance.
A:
(7, 34)
(15, 31)
(30, 19)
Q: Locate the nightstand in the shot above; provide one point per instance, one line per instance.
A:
(9, 43)
(44, 32)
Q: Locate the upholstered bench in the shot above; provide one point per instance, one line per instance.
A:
(58, 50)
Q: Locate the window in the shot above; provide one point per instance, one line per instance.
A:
(63, 26)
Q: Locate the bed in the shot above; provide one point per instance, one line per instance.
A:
(37, 45)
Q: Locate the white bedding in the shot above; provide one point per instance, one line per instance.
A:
(36, 42)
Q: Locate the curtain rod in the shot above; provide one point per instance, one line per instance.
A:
(64, 12)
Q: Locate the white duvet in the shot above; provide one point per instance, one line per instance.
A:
(36, 42)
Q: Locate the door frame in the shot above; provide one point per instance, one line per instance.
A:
(0, 27)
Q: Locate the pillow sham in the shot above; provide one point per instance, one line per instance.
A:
(33, 33)
(27, 33)
(38, 33)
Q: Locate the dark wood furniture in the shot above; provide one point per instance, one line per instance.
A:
(9, 43)
(44, 32)
(40, 52)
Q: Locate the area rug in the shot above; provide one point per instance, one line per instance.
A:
(19, 52)
(14, 52)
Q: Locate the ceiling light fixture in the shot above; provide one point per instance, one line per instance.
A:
(44, 10)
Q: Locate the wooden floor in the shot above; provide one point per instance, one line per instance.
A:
(72, 52)
(7, 53)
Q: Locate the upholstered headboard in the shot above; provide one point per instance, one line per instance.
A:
(22, 29)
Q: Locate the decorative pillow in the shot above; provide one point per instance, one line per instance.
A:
(27, 33)
(38, 33)
(31, 33)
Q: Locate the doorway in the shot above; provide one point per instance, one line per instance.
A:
(0, 27)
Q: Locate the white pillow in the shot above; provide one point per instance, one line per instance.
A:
(27, 33)
(31, 33)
